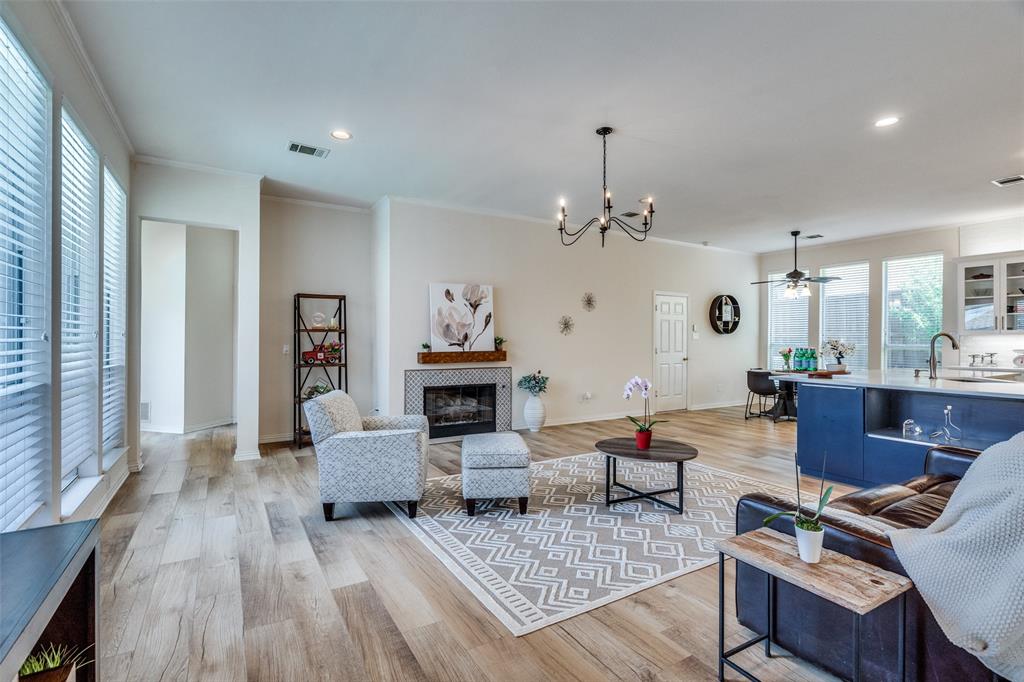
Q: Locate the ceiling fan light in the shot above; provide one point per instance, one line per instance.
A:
(791, 291)
(803, 290)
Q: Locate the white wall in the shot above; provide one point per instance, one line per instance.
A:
(209, 198)
(311, 248)
(380, 248)
(163, 325)
(209, 288)
(536, 280)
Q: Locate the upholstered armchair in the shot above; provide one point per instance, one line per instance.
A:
(369, 459)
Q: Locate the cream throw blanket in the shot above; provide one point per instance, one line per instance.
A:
(969, 564)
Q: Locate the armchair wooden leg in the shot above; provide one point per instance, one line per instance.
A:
(412, 509)
(328, 511)
(523, 503)
(471, 507)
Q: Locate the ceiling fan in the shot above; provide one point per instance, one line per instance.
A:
(797, 280)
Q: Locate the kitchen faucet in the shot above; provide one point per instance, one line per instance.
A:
(932, 365)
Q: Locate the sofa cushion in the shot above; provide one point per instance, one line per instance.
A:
(332, 413)
(494, 451)
(911, 504)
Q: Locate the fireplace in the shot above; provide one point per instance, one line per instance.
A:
(460, 409)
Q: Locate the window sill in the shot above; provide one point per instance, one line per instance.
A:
(83, 499)
(76, 494)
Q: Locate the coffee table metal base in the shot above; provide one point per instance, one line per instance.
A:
(611, 481)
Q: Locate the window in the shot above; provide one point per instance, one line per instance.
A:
(913, 309)
(115, 224)
(787, 322)
(78, 342)
(24, 266)
(844, 310)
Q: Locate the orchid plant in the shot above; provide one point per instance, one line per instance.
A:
(800, 517)
(644, 387)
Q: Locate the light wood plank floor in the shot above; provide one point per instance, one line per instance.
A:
(217, 570)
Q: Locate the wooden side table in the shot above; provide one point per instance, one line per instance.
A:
(855, 585)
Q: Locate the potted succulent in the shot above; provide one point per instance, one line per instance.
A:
(499, 341)
(425, 346)
(838, 350)
(810, 534)
(53, 663)
(534, 413)
(643, 426)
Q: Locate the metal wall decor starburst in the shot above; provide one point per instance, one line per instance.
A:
(606, 219)
(566, 325)
(589, 301)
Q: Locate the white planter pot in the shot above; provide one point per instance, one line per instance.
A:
(808, 543)
(534, 413)
(836, 367)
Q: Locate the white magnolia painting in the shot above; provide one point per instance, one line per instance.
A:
(461, 317)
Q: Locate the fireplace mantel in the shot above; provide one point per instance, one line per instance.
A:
(450, 357)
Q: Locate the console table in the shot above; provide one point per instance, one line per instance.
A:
(857, 586)
(49, 583)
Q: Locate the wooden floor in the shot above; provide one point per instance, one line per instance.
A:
(218, 570)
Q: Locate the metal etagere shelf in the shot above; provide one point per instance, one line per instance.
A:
(308, 368)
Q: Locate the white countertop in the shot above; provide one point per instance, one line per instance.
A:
(990, 369)
(904, 380)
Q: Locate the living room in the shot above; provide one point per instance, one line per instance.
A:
(490, 356)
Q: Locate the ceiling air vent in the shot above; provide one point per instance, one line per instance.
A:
(813, 236)
(308, 150)
(1006, 182)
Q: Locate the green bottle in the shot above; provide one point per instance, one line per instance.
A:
(814, 361)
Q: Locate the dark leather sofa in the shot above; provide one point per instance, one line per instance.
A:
(820, 632)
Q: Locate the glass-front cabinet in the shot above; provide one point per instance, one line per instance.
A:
(991, 294)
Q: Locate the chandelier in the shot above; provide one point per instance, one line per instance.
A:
(606, 219)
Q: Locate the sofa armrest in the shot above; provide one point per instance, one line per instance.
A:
(949, 460)
(417, 422)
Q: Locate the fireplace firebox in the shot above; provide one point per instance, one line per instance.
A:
(459, 410)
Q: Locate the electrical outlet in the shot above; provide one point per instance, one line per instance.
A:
(587, 395)
(285, 349)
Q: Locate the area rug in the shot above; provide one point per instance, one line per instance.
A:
(570, 554)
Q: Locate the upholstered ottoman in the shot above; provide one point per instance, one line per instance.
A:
(495, 465)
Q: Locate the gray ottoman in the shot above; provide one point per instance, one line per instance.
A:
(495, 465)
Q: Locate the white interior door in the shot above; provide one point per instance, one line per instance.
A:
(670, 323)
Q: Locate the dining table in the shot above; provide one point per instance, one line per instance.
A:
(785, 404)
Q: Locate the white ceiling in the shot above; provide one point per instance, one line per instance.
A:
(744, 120)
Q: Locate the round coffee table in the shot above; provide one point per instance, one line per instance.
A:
(667, 451)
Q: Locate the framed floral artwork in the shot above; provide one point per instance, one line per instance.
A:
(461, 317)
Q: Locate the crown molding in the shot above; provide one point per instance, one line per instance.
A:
(82, 57)
(551, 223)
(316, 204)
(158, 161)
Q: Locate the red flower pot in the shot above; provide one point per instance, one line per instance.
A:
(643, 440)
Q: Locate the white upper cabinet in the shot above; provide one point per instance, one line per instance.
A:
(991, 294)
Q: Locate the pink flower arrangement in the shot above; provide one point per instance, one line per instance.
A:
(644, 387)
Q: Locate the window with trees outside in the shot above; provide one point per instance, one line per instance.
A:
(787, 321)
(913, 309)
(844, 311)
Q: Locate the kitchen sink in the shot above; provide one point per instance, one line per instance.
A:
(977, 380)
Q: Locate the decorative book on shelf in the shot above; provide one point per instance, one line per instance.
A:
(320, 360)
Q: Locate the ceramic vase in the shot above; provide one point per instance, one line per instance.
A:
(643, 440)
(808, 542)
(534, 413)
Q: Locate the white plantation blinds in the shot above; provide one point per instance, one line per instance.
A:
(78, 342)
(24, 355)
(115, 224)
(913, 309)
(787, 322)
(844, 311)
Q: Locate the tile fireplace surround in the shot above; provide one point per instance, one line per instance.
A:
(501, 377)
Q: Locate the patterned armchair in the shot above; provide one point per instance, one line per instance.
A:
(370, 459)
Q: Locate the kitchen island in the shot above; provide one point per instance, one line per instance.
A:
(857, 420)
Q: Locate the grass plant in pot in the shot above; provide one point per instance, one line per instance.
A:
(53, 663)
(643, 426)
(534, 413)
(810, 534)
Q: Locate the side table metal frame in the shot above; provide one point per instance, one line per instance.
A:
(611, 481)
(724, 656)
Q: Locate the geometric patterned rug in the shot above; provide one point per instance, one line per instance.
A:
(570, 554)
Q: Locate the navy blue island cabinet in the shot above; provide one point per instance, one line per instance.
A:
(859, 425)
(831, 420)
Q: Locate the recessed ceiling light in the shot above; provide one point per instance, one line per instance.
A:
(887, 121)
(341, 135)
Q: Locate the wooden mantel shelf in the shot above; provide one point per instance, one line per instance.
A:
(430, 358)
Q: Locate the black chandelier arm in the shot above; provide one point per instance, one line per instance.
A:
(575, 236)
(633, 231)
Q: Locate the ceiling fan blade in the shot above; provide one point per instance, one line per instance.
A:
(820, 280)
(771, 281)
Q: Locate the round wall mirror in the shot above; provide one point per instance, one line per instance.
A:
(724, 314)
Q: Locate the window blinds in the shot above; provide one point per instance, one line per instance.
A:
(115, 223)
(844, 311)
(787, 322)
(78, 363)
(24, 355)
(913, 309)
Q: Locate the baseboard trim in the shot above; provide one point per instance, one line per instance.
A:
(712, 406)
(223, 421)
(276, 438)
(518, 426)
(241, 456)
